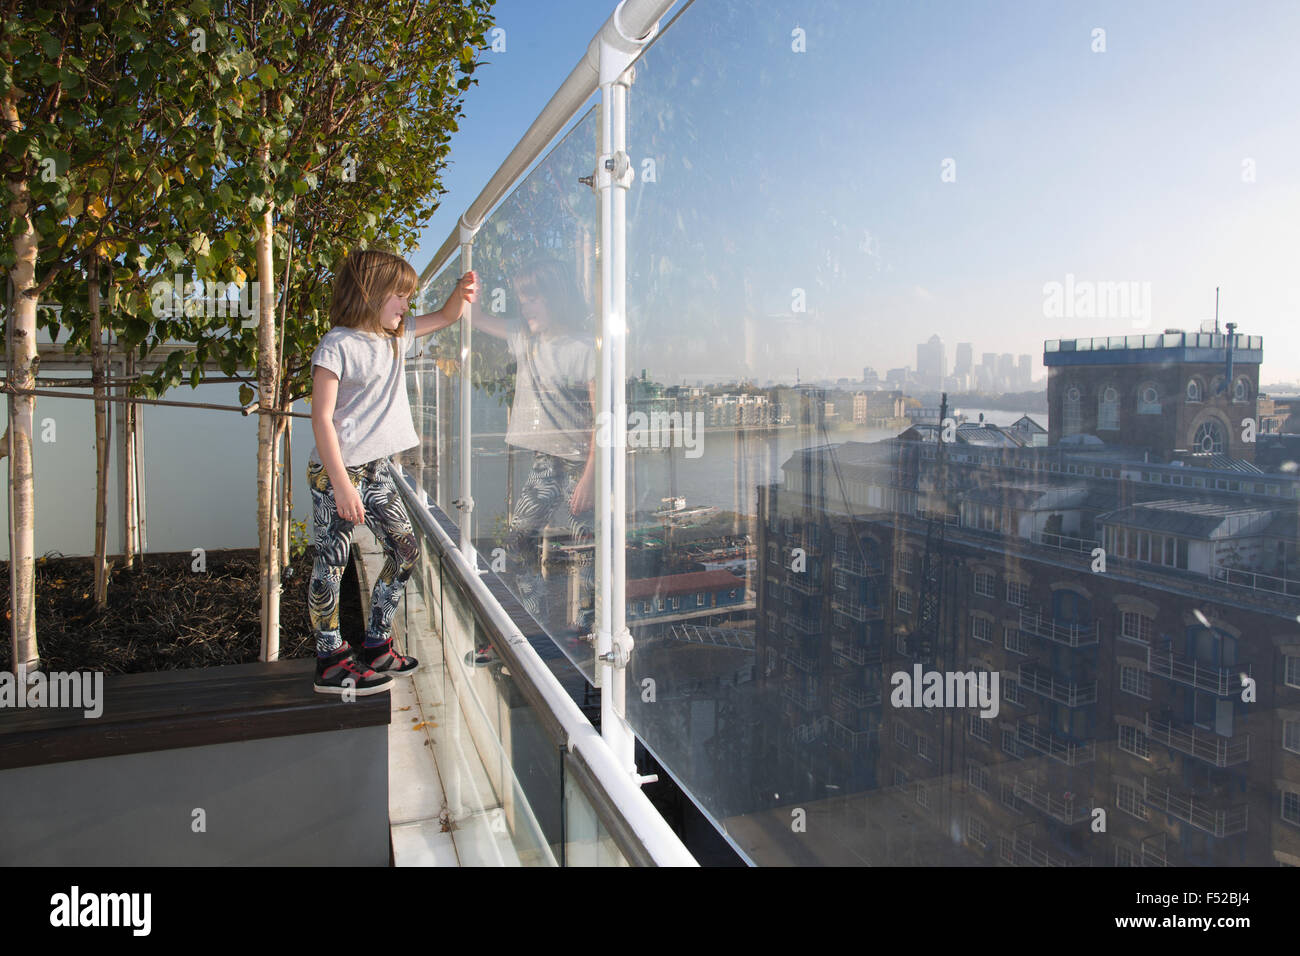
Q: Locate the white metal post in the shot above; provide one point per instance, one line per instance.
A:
(466, 500)
(613, 176)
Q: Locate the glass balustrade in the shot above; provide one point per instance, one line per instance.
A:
(892, 604)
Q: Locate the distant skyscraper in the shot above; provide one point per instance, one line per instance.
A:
(965, 359)
(896, 377)
(931, 363)
(1006, 372)
(1025, 372)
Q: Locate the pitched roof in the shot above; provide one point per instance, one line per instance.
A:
(689, 583)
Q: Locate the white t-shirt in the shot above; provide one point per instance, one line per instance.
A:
(552, 410)
(372, 415)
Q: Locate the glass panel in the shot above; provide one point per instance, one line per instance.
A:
(433, 387)
(797, 290)
(586, 841)
(499, 768)
(534, 378)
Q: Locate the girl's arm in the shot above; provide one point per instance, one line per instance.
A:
(324, 395)
(466, 291)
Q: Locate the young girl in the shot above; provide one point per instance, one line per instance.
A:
(360, 415)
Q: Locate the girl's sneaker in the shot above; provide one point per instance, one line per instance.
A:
(342, 673)
(384, 660)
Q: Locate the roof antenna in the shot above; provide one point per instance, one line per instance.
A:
(1216, 310)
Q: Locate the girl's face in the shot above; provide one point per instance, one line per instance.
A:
(533, 307)
(396, 307)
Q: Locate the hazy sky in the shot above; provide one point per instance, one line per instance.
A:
(1171, 159)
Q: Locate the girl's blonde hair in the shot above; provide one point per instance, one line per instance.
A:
(362, 286)
(555, 284)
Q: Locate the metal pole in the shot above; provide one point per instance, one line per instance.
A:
(614, 174)
(466, 500)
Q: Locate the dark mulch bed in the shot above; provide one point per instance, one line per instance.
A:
(164, 616)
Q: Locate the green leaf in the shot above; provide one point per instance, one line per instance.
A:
(246, 394)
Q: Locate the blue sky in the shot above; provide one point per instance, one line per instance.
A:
(544, 40)
(821, 171)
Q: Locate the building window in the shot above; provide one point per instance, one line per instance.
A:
(1134, 741)
(1291, 806)
(923, 747)
(981, 729)
(984, 584)
(1128, 800)
(1148, 400)
(1135, 681)
(981, 629)
(1194, 391)
(976, 831)
(1135, 627)
(1293, 670)
(906, 562)
(1071, 415)
(977, 777)
(922, 796)
(1017, 593)
(1124, 855)
(1209, 439)
(1011, 691)
(1015, 641)
(900, 777)
(901, 736)
(1011, 743)
(1009, 798)
(1108, 409)
(904, 602)
(900, 645)
(1291, 735)
(1240, 390)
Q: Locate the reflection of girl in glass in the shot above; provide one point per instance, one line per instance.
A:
(552, 416)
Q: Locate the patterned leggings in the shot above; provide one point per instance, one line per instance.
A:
(386, 517)
(544, 502)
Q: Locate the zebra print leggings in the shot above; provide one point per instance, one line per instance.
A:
(544, 502)
(386, 517)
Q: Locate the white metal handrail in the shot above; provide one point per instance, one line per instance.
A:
(1193, 810)
(1199, 743)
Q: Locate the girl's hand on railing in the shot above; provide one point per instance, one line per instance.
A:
(466, 291)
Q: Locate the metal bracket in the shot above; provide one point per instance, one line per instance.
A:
(621, 653)
(467, 232)
(614, 169)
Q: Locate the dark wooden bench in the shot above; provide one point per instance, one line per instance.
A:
(275, 767)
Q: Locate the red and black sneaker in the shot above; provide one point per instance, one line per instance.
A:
(384, 660)
(341, 673)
